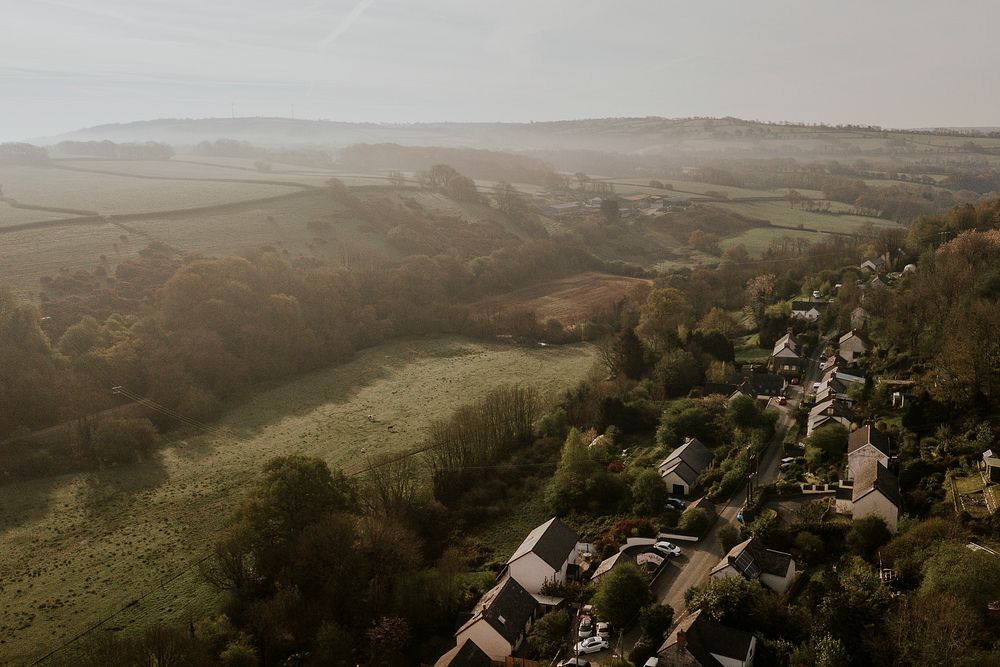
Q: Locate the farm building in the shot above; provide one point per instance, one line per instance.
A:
(680, 470)
(548, 553)
(698, 641)
(752, 560)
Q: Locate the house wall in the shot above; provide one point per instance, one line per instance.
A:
(488, 639)
(860, 458)
(673, 478)
(532, 572)
(779, 584)
(852, 348)
(726, 572)
(877, 504)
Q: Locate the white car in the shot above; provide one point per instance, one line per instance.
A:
(604, 630)
(667, 549)
(591, 645)
(586, 627)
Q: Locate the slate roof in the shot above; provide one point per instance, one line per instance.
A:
(750, 558)
(506, 607)
(786, 341)
(868, 435)
(683, 470)
(721, 388)
(766, 383)
(467, 655)
(806, 306)
(693, 453)
(852, 334)
(876, 477)
(552, 542)
(704, 637)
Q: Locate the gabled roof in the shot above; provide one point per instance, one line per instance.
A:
(760, 383)
(876, 477)
(877, 261)
(506, 607)
(611, 562)
(704, 639)
(806, 306)
(468, 654)
(868, 435)
(721, 388)
(683, 470)
(750, 558)
(784, 342)
(852, 334)
(552, 542)
(693, 453)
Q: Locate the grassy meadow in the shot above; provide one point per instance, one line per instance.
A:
(80, 548)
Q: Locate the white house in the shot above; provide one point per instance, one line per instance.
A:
(680, 470)
(865, 445)
(546, 554)
(698, 641)
(785, 357)
(852, 345)
(806, 310)
(876, 492)
(752, 560)
(500, 620)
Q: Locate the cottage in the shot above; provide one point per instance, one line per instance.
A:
(680, 470)
(756, 384)
(547, 554)
(852, 345)
(500, 620)
(785, 358)
(865, 445)
(991, 465)
(466, 654)
(832, 410)
(876, 492)
(752, 560)
(698, 641)
(807, 310)
(873, 265)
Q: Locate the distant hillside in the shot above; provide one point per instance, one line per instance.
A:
(649, 139)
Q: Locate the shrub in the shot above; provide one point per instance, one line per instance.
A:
(123, 440)
(729, 537)
(694, 521)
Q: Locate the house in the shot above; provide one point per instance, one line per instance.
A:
(830, 411)
(756, 384)
(873, 265)
(832, 388)
(991, 465)
(865, 445)
(859, 317)
(846, 374)
(466, 654)
(807, 310)
(852, 345)
(876, 492)
(785, 358)
(752, 560)
(680, 470)
(546, 554)
(629, 204)
(698, 641)
(876, 282)
(500, 620)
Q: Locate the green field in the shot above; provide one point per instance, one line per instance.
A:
(780, 213)
(61, 188)
(80, 547)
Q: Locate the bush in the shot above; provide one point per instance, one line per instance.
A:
(729, 537)
(549, 632)
(694, 521)
(868, 534)
(621, 594)
(123, 440)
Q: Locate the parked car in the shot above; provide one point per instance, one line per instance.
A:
(667, 549)
(586, 627)
(787, 462)
(816, 386)
(591, 645)
(676, 503)
(574, 662)
(604, 630)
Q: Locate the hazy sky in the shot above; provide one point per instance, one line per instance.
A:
(66, 64)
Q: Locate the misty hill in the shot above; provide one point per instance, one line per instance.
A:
(642, 137)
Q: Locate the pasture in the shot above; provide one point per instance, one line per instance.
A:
(80, 548)
(780, 213)
(107, 194)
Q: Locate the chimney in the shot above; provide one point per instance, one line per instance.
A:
(681, 640)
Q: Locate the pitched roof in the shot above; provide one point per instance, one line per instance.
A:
(876, 477)
(722, 388)
(552, 542)
(750, 558)
(786, 341)
(704, 639)
(805, 306)
(468, 654)
(693, 453)
(849, 335)
(868, 435)
(683, 470)
(506, 607)
(610, 562)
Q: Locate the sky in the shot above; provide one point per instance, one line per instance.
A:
(68, 64)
